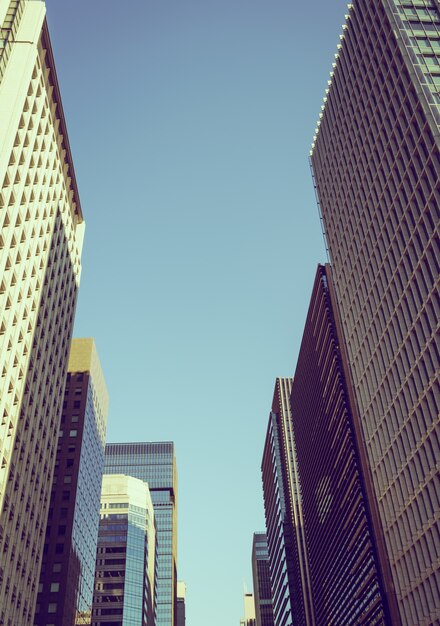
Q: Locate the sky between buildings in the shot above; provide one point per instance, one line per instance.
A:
(190, 123)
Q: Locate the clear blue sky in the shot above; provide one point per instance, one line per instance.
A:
(190, 124)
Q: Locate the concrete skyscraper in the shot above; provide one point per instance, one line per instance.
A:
(261, 580)
(284, 518)
(68, 564)
(126, 555)
(41, 232)
(376, 165)
(155, 463)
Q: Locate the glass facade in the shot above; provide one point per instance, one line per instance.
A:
(155, 464)
(126, 555)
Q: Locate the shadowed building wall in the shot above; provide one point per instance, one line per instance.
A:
(67, 571)
(342, 556)
(284, 522)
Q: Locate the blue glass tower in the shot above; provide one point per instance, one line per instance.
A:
(155, 464)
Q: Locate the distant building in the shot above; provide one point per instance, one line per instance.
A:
(261, 580)
(41, 234)
(126, 555)
(155, 463)
(346, 583)
(284, 518)
(181, 604)
(67, 571)
(375, 159)
(249, 611)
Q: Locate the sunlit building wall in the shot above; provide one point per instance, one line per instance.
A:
(376, 166)
(41, 233)
(68, 564)
(155, 463)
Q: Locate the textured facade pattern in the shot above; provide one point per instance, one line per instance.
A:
(126, 555)
(41, 233)
(67, 571)
(155, 464)
(284, 522)
(376, 166)
(346, 583)
(261, 579)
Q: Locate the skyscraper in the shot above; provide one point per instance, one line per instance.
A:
(346, 582)
(284, 519)
(375, 159)
(261, 579)
(67, 571)
(155, 464)
(126, 554)
(41, 232)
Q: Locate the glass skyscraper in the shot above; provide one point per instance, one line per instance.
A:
(376, 164)
(126, 555)
(155, 464)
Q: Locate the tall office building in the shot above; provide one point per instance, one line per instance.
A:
(155, 464)
(67, 571)
(261, 580)
(41, 231)
(284, 519)
(347, 585)
(126, 555)
(375, 159)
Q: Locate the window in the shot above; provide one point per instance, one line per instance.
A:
(54, 587)
(52, 607)
(56, 567)
(73, 433)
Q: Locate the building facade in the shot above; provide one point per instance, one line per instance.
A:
(67, 570)
(249, 611)
(41, 232)
(155, 463)
(181, 604)
(126, 555)
(261, 580)
(375, 159)
(284, 519)
(346, 581)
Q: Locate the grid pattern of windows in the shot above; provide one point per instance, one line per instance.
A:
(346, 585)
(155, 464)
(40, 219)
(376, 166)
(284, 524)
(261, 579)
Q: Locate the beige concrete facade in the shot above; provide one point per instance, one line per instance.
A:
(376, 162)
(41, 233)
